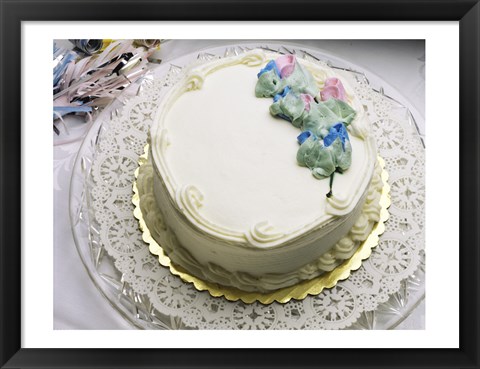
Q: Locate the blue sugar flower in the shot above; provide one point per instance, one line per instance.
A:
(270, 65)
(336, 131)
(305, 135)
(284, 93)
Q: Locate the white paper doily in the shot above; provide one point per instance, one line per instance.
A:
(377, 296)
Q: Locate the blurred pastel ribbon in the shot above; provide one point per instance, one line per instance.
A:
(89, 47)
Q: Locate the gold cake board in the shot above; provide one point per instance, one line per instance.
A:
(298, 291)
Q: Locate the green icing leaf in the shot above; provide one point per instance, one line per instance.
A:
(302, 81)
(342, 158)
(318, 158)
(290, 107)
(269, 84)
(323, 115)
(344, 111)
(321, 160)
(319, 119)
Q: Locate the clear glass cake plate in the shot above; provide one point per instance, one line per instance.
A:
(380, 295)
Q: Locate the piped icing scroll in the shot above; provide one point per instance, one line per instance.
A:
(323, 115)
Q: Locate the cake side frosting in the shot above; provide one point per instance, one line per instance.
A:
(256, 280)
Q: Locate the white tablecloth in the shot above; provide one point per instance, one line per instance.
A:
(77, 302)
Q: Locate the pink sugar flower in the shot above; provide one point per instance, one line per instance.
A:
(307, 100)
(333, 89)
(286, 65)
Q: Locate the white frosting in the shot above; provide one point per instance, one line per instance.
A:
(227, 181)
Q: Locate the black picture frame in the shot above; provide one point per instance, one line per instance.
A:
(467, 12)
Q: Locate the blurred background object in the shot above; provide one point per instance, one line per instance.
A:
(89, 74)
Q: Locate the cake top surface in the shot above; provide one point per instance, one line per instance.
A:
(229, 165)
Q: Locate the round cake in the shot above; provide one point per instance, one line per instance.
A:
(264, 170)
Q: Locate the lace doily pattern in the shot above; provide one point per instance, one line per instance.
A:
(157, 299)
